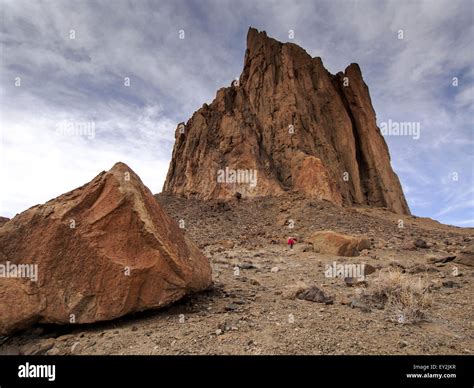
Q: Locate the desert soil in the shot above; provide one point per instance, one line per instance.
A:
(251, 308)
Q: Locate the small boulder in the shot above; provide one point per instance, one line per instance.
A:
(420, 243)
(440, 259)
(333, 243)
(355, 282)
(466, 257)
(409, 246)
(314, 294)
(369, 269)
(361, 305)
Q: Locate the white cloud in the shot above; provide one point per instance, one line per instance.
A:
(40, 163)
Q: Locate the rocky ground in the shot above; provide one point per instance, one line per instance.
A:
(251, 307)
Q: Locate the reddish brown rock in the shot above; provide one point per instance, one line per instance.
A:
(3, 220)
(337, 244)
(295, 125)
(314, 294)
(369, 269)
(466, 256)
(311, 177)
(102, 251)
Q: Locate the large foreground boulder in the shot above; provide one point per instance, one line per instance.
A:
(96, 253)
(333, 243)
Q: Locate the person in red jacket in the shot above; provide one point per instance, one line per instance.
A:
(291, 242)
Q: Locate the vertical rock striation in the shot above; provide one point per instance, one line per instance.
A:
(295, 125)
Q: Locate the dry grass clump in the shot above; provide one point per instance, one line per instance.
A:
(405, 297)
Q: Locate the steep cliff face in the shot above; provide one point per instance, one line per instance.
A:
(286, 124)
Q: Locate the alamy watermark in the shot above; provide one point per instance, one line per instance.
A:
(76, 128)
(240, 176)
(28, 370)
(22, 271)
(335, 270)
(400, 128)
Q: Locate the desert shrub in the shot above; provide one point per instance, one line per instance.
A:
(405, 297)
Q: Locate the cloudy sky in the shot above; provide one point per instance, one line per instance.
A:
(85, 84)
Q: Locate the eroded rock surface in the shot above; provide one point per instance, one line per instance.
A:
(100, 251)
(295, 125)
